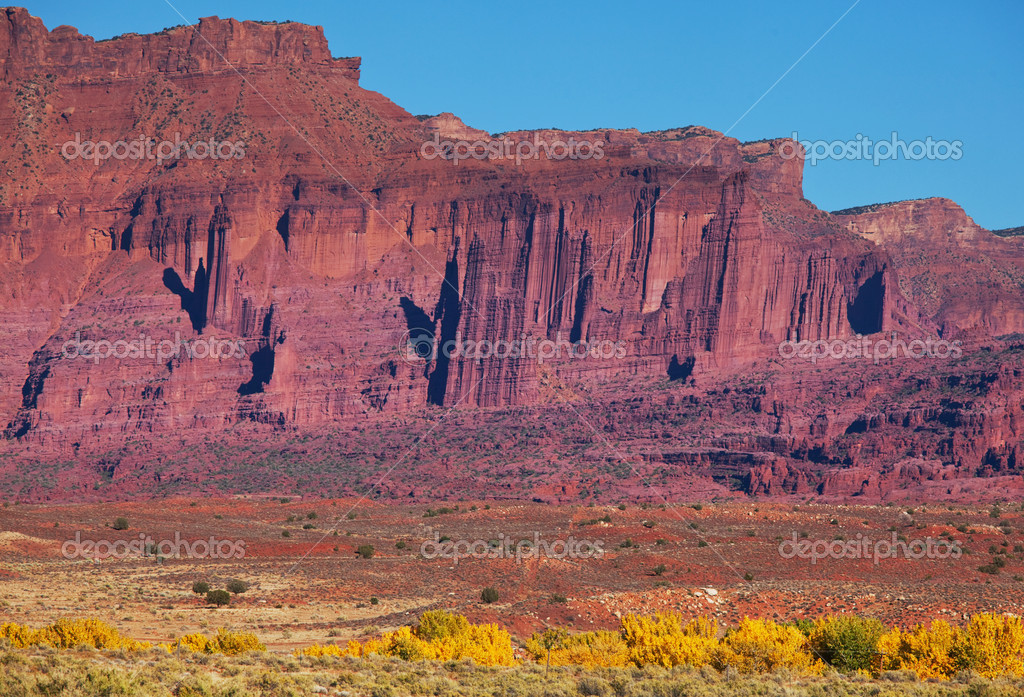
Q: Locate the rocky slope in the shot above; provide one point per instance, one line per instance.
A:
(339, 226)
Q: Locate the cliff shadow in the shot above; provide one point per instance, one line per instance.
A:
(192, 302)
(680, 371)
(262, 359)
(420, 328)
(867, 309)
(448, 312)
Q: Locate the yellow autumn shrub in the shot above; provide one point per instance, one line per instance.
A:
(762, 646)
(225, 642)
(401, 643)
(991, 645)
(19, 635)
(438, 625)
(316, 650)
(490, 645)
(196, 643)
(234, 643)
(927, 651)
(600, 649)
(665, 641)
(68, 633)
(440, 636)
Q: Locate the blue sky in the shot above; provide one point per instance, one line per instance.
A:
(941, 69)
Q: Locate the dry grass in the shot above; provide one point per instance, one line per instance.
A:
(27, 672)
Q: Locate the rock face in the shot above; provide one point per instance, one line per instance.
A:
(331, 238)
(963, 277)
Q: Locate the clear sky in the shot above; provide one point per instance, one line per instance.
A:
(949, 70)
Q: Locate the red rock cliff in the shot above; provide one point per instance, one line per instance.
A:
(335, 234)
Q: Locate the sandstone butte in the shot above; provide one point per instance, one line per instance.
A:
(333, 238)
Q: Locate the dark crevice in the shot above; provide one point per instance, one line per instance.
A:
(262, 359)
(262, 369)
(33, 387)
(125, 242)
(30, 392)
(680, 371)
(866, 311)
(282, 227)
(421, 330)
(126, 239)
(585, 288)
(448, 312)
(576, 333)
